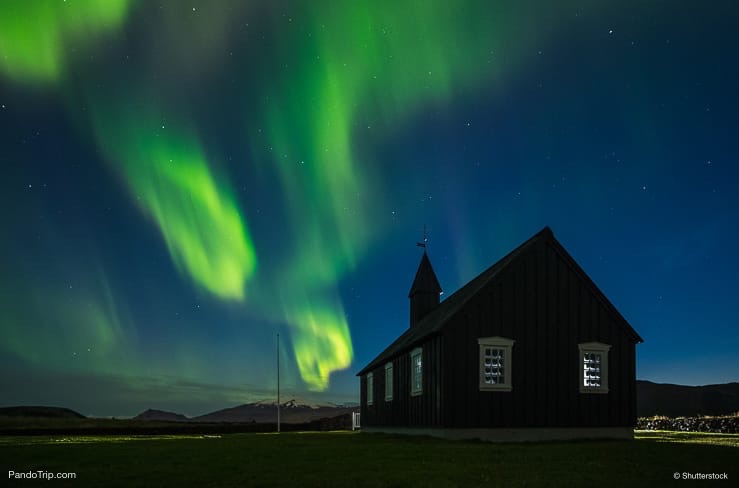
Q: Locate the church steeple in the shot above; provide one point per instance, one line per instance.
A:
(425, 290)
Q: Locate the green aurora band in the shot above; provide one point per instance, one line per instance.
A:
(168, 175)
(359, 64)
(36, 36)
(321, 340)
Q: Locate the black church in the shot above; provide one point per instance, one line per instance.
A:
(530, 349)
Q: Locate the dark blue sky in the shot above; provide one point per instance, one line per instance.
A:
(180, 183)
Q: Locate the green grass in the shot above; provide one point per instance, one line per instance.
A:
(357, 459)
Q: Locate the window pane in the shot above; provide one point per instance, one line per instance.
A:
(493, 361)
(417, 376)
(591, 369)
(389, 382)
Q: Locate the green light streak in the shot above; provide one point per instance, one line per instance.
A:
(168, 175)
(353, 70)
(321, 342)
(36, 36)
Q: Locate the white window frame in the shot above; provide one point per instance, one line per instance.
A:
(593, 348)
(504, 344)
(370, 388)
(416, 389)
(389, 382)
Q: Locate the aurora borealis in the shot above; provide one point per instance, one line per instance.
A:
(38, 37)
(181, 181)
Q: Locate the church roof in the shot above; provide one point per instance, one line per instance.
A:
(437, 318)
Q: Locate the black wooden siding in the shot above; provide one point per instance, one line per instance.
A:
(541, 303)
(424, 410)
(548, 309)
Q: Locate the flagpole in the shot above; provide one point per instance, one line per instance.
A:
(278, 382)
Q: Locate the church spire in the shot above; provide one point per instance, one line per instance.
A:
(425, 290)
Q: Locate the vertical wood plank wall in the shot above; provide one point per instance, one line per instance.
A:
(542, 304)
(422, 410)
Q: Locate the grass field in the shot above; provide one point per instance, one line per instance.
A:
(356, 459)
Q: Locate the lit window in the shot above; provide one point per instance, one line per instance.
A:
(495, 363)
(416, 372)
(388, 382)
(593, 367)
(370, 388)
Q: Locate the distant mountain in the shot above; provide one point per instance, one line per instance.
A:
(651, 399)
(685, 401)
(291, 412)
(40, 412)
(161, 415)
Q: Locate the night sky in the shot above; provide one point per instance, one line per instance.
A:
(181, 181)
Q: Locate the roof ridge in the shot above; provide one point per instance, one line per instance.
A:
(479, 281)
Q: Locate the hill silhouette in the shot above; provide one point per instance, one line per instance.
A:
(161, 415)
(290, 412)
(40, 412)
(686, 401)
